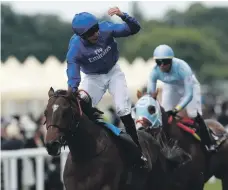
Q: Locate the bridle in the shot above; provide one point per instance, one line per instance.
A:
(74, 120)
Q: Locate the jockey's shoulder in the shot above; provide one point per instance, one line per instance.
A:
(179, 61)
(74, 40)
(180, 64)
(74, 46)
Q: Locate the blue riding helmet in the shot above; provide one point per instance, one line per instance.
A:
(148, 108)
(82, 22)
(163, 52)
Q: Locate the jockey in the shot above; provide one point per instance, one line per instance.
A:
(181, 88)
(93, 50)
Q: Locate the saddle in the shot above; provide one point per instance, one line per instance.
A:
(187, 125)
(192, 127)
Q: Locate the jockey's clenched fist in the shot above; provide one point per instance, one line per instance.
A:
(115, 11)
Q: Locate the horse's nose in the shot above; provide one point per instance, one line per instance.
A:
(48, 145)
(53, 148)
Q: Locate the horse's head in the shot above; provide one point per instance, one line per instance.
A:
(63, 113)
(147, 112)
(156, 95)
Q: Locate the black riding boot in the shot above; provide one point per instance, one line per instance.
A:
(131, 130)
(207, 139)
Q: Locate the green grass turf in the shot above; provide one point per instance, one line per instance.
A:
(213, 186)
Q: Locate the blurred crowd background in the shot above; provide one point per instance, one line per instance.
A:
(198, 35)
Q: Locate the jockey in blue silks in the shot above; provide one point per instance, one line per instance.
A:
(93, 50)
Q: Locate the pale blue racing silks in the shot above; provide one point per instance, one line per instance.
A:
(180, 74)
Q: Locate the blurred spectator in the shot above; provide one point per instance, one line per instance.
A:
(13, 137)
(54, 180)
(223, 117)
(115, 120)
(3, 133)
(209, 112)
(14, 141)
(29, 127)
(144, 90)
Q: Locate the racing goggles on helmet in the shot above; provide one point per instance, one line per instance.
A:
(163, 61)
(91, 31)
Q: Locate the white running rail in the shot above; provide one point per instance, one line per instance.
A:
(9, 160)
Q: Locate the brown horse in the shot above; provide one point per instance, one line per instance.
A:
(98, 159)
(204, 164)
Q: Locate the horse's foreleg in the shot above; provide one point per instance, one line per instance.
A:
(106, 187)
(196, 182)
(196, 187)
(225, 183)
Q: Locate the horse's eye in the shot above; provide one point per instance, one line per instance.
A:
(151, 109)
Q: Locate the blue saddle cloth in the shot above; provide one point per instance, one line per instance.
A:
(113, 128)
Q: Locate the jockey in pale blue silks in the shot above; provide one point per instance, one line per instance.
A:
(181, 88)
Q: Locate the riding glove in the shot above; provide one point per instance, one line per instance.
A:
(172, 112)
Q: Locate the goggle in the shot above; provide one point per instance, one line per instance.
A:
(91, 31)
(163, 61)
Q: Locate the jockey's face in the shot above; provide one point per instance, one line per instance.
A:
(92, 34)
(93, 39)
(164, 64)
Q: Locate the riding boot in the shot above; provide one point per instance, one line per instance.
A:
(131, 130)
(207, 139)
(130, 147)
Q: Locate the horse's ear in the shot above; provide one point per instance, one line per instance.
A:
(51, 92)
(139, 94)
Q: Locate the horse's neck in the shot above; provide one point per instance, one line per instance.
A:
(170, 130)
(85, 144)
(165, 124)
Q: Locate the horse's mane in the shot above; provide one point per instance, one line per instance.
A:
(92, 113)
(60, 93)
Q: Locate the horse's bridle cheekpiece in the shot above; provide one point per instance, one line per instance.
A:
(74, 121)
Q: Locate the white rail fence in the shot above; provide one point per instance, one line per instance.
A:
(9, 160)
